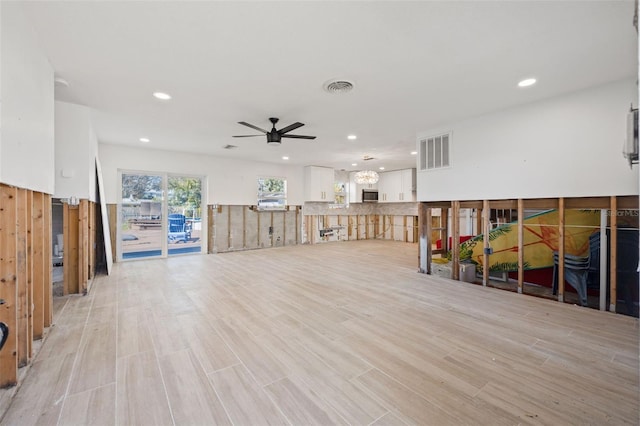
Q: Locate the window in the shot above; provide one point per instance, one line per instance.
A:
(434, 152)
(272, 193)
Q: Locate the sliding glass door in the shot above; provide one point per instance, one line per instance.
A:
(184, 220)
(159, 215)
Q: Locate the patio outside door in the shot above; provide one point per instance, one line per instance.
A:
(184, 215)
(141, 216)
(159, 215)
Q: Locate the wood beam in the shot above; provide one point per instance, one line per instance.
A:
(542, 203)
(30, 273)
(627, 202)
(613, 255)
(8, 284)
(477, 204)
(39, 269)
(520, 245)
(22, 328)
(455, 240)
(561, 208)
(485, 240)
(587, 203)
(47, 254)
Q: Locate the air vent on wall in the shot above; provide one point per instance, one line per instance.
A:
(230, 146)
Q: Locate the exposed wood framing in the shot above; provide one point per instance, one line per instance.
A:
(83, 246)
(112, 210)
(485, 240)
(47, 254)
(561, 208)
(22, 227)
(424, 222)
(25, 238)
(455, 240)
(8, 284)
(229, 242)
(92, 239)
(210, 231)
(613, 255)
(30, 273)
(40, 267)
(520, 245)
(444, 232)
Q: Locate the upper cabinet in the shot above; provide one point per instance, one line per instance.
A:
(355, 189)
(318, 184)
(397, 186)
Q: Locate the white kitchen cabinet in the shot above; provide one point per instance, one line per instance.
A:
(397, 186)
(318, 184)
(355, 189)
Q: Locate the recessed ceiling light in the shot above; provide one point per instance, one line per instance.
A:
(354, 164)
(414, 152)
(145, 140)
(352, 137)
(381, 168)
(285, 158)
(527, 82)
(161, 95)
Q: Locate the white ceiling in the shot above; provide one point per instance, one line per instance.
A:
(414, 65)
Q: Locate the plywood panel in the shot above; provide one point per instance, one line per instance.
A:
(8, 284)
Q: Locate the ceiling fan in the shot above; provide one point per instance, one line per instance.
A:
(274, 136)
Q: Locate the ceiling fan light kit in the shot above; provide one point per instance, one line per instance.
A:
(274, 136)
(366, 177)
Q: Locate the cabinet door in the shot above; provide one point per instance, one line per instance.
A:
(408, 182)
(389, 187)
(318, 182)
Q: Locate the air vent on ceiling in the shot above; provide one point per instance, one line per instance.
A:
(367, 158)
(338, 86)
(230, 146)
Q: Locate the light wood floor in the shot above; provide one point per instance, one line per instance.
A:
(338, 333)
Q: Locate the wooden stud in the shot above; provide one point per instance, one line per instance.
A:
(38, 265)
(112, 211)
(29, 274)
(613, 256)
(520, 245)
(92, 239)
(298, 212)
(244, 227)
(561, 208)
(284, 228)
(478, 230)
(8, 284)
(424, 223)
(455, 240)
(47, 252)
(444, 231)
(392, 226)
(229, 241)
(22, 329)
(83, 246)
(71, 219)
(272, 231)
(210, 221)
(405, 236)
(486, 213)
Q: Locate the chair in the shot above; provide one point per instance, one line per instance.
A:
(576, 271)
(179, 229)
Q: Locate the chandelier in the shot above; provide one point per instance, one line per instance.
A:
(366, 177)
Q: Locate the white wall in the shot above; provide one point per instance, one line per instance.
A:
(229, 181)
(568, 146)
(75, 154)
(26, 87)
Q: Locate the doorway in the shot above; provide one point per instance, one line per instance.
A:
(159, 215)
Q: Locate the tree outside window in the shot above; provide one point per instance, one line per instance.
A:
(272, 193)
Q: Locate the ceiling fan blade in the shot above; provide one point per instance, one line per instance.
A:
(247, 136)
(252, 126)
(298, 136)
(290, 128)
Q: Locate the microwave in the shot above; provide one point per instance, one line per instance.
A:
(369, 195)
